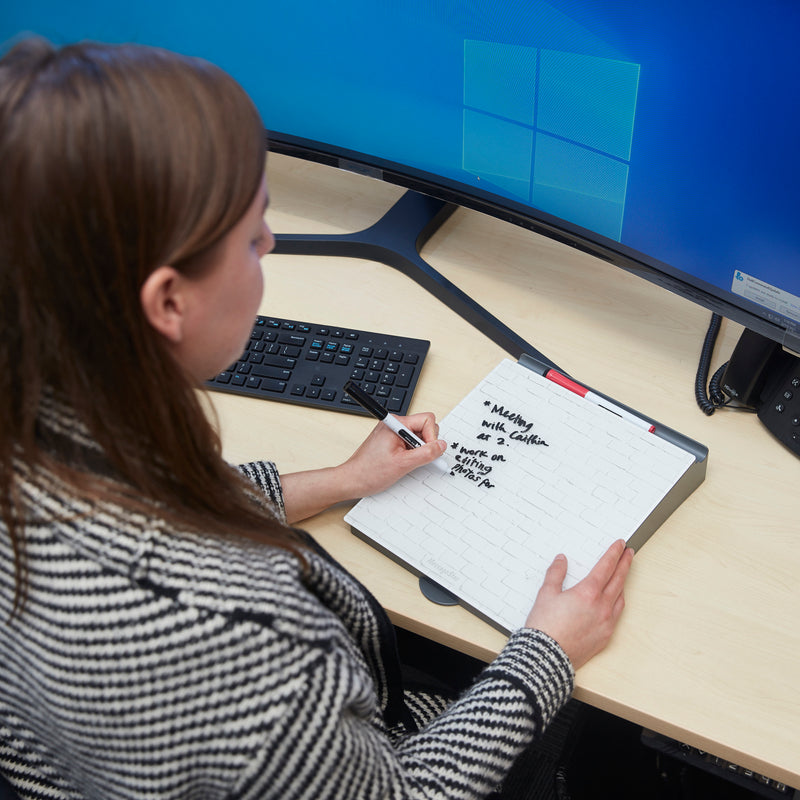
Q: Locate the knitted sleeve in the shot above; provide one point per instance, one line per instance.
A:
(264, 474)
(328, 748)
(480, 735)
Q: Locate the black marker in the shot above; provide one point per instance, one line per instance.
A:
(379, 412)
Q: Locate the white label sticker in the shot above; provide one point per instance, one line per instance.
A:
(766, 295)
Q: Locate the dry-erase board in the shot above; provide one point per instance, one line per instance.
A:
(535, 470)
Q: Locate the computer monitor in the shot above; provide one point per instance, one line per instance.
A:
(662, 137)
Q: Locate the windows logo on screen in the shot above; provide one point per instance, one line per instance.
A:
(551, 129)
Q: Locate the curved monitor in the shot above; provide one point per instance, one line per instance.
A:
(662, 137)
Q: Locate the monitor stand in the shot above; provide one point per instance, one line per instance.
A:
(396, 240)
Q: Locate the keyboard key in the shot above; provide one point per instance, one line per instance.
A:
(292, 338)
(272, 372)
(404, 377)
(280, 361)
(396, 400)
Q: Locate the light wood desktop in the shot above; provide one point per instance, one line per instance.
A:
(708, 648)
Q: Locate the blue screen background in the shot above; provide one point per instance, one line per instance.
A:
(696, 166)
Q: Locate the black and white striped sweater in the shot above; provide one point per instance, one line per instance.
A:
(150, 662)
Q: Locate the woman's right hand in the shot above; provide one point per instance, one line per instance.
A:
(582, 619)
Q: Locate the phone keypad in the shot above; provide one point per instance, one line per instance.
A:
(780, 408)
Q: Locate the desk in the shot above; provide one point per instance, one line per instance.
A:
(708, 648)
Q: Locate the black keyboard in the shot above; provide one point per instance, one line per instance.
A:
(308, 364)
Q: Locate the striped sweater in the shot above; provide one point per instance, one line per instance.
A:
(150, 662)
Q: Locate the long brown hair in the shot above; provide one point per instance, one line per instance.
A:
(116, 160)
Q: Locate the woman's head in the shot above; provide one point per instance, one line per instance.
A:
(119, 162)
(206, 315)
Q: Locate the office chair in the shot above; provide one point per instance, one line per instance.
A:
(6, 792)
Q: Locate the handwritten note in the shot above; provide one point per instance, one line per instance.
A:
(535, 470)
(477, 463)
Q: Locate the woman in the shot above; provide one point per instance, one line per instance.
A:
(166, 632)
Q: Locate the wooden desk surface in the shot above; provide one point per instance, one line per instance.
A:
(708, 648)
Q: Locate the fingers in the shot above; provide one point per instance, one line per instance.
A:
(607, 577)
(556, 572)
(423, 424)
(424, 454)
(619, 605)
(605, 568)
(616, 582)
